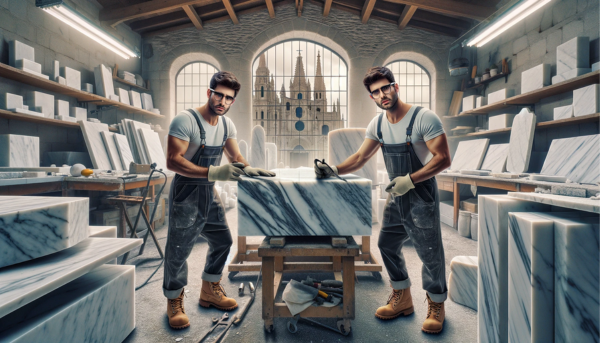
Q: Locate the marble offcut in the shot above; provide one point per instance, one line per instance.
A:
(124, 150)
(346, 142)
(258, 153)
(586, 100)
(495, 158)
(500, 95)
(296, 203)
(153, 148)
(18, 50)
(521, 142)
(573, 54)
(112, 150)
(535, 78)
(462, 282)
(72, 76)
(95, 144)
(582, 204)
(135, 99)
(41, 102)
(563, 112)
(468, 103)
(500, 121)
(469, 154)
(124, 96)
(573, 73)
(10, 102)
(576, 158)
(19, 151)
(104, 81)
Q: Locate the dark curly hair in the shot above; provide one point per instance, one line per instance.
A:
(375, 74)
(227, 79)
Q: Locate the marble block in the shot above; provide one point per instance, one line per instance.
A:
(72, 76)
(55, 70)
(573, 73)
(10, 175)
(10, 102)
(18, 51)
(24, 64)
(474, 226)
(79, 113)
(104, 81)
(296, 203)
(37, 99)
(469, 154)
(521, 141)
(147, 101)
(345, 142)
(596, 66)
(36, 73)
(462, 283)
(19, 151)
(97, 307)
(112, 150)
(475, 172)
(244, 149)
(582, 204)
(95, 144)
(573, 54)
(88, 87)
(114, 97)
(153, 148)
(492, 253)
(549, 178)
(135, 127)
(500, 95)
(577, 159)
(258, 155)
(271, 149)
(124, 96)
(500, 121)
(586, 100)
(563, 112)
(480, 101)
(61, 80)
(535, 78)
(530, 278)
(468, 103)
(34, 226)
(495, 158)
(135, 98)
(123, 149)
(62, 108)
(66, 118)
(131, 139)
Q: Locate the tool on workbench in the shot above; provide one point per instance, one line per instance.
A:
(326, 283)
(135, 168)
(325, 296)
(241, 289)
(323, 162)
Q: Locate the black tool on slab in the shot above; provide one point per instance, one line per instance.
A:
(323, 162)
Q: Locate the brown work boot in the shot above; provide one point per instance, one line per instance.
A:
(212, 293)
(176, 313)
(434, 323)
(399, 303)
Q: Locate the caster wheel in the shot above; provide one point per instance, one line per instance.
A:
(269, 328)
(377, 276)
(231, 275)
(292, 327)
(343, 329)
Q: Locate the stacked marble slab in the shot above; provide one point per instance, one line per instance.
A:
(535, 78)
(586, 100)
(104, 81)
(462, 282)
(14, 103)
(577, 159)
(295, 203)
(22, 56)
(469, 103)
(72, 77)
(19, 151)
(469, 154)
(345, 142)
(495, 158)
(153, 148)
(135, 99)
(563, 112)
(572, 59)
(95, 145)
(41, 102)
(147, 103)
(500, 95)
(521, 141)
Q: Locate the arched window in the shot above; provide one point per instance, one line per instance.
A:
(414, 82)
(275, 115)
(324, 130)
(192, 81)
(287, 106)
(299, 112)
(262, 91)
(262, 115)
(300, 96)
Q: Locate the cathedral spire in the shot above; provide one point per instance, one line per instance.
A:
(262, 62)
(319, 89)
(299, 83)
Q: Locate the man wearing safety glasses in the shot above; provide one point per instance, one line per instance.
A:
(415, 149)
(197, 139)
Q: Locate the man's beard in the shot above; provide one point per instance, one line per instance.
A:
(213, 109)
(393, 102)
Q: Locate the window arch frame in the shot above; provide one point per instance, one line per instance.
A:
(179, 72)
(430, 86)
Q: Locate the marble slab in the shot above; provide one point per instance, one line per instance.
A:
(243, 149)
(62, 108)
(135, 99)
(25, 64)
(596, 66)
(380, 208)
(123, 149)
(72, 76)
(586, 100)
(462, 282)
(10, 102)
(480, 101)
(495, 158)
(549, 178)
(28, 112)
(530, 278)
(500, 121)
(500, 95)
(79, 113)
(153, 148)
(535, 78)
(492, 254)
(257, 146)
(96, 307)
(573, 54)
(521, 141)
(19, 151)
(135, 127)
(573, 73)
(468, 103)
(345, 142)
(10, 175)
(469, 154)
(582, 204)
(577, 159)
(95, 144)
(147, 101)
(124, 96)
(55, 70)
(61, 80)
(475, 172)
(66, 118)
(104, 81)
(563, 112)
(296, 203)
(131, 139)
(111, 149)
(88, 87)
(37, 99)
(18, 50)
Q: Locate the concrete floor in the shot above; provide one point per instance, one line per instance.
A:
(152, 324)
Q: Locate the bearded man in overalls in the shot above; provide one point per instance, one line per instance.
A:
(198, 137)
(415, 149)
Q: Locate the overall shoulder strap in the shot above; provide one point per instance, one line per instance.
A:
(202, 132)
(412, 122)
(225, 131)
(379, 135)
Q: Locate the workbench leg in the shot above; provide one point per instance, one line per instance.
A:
(242, 248)
(456, 203)
(122, 222)
(348, 281)
(268, 296)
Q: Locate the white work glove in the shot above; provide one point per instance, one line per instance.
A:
(400, 185)
(251, 171)
(323, 171)
(228, 172)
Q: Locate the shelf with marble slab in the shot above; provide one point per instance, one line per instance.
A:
(534, 96)
(42, 120)
(591, 118)
(132, 85)
(9, 72)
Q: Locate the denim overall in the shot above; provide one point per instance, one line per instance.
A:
(414, 215)
(196, 209)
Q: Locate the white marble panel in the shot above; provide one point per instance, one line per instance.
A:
(95, 144)
(124, 151)
(521, 142)
(135, 126)
(500, 121)
(500, 95)
(469, 154)
(114, 97)
(573, 54)
(147, 101)
(243, 149)
(563, 112)
(104, 81)
(55, 70)
(535, 78)
(131, 139)
(530, 278)
(153, 148)
(596, 66)
(19, 151)
(258, 155)
(88, 87)
(34, 226)
(492, 252)
(10, 102)
(296, 203)
(345, 142)
(124, 96)
(495, 158)
(72, 76)
(45, 101)
(480, 101)
(272, 155)
(586, 100)
(62, 108)
(468, 103)
(18, 51)
(61, 81)
(577, 158)
(573, 73)
(475, 172)
(549, 178)
(97, 307)
(29, 65)
(582, 204)
(112, 150)
(79, 113)
(462, 282)
(135, 98)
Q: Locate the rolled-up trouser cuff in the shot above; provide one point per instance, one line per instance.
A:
(211, 277)
(438, 298)
(172, 294)
(397, 285)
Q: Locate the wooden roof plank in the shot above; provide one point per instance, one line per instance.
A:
(231, 12)
(366, 10)
(193, 15)
(270, 8)
(327, 7)
(406, 15)
(451, 7)
(116, 15)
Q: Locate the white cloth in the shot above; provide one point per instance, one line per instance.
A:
(298, 297)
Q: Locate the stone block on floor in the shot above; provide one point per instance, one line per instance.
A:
(462, 282)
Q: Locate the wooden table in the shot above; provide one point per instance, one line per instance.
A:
(273, 267)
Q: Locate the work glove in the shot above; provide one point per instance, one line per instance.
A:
(250, 171)
(400, 185)
(323, 171)
(228, 172)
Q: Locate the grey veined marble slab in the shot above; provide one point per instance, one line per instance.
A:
(97, 307)
(521, 142)
(111, 149)
(296, 203)
(582, 204)
(154, 149)
(23, 283)
(577, 159)
(469, 154)
(346, 142)
(19, 151)
(124, 150)
(95, 144)
(495, 158)
(258, 153)
(33, 226)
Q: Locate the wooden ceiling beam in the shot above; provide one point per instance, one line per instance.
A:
(193, 15)
(299, 6)
(391, 9)
(366, 10)
(165, 19)
(327, 8)
(116, 15)
(231, 12)
(270, 8)
(406, 15)
(451, 7)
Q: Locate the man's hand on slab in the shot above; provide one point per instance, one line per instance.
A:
(400, 185)
(228, 172)
(251, 171)
(323, 171)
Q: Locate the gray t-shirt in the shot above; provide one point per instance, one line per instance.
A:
(427, 126)
(184, 127)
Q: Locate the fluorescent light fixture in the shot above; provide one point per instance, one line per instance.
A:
(515, 15)
(70, 17)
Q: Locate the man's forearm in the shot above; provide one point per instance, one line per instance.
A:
(186, 168)
(435, 166)
(352, 163)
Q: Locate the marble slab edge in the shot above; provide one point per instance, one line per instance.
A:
(582, 204)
